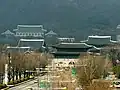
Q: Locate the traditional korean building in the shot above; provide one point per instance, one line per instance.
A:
(99, 41)
(70, 50)
(30, 31)
(8, 34)
(34, 44)
(51, 38)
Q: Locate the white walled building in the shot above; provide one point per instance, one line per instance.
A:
(30, 31)
(32, 43)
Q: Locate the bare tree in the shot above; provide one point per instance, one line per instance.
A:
(16, 64)
(93, 68)
(100, 85)
(20, 62)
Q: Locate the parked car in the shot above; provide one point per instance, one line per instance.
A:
(115, 84)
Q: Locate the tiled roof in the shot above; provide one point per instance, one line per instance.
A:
(32, 40)
(40, 26)
(8, 32)
(30, 28)
(72, 45)
(109, 37)
(51, 33)
(33, 43)
(94, 49)
(98, 40)
(15, 29)
(67, 53)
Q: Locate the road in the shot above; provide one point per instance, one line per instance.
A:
(25, 86)
(29, 84)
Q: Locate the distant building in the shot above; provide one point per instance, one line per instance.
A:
(71, 50)
(118, 27)
(51, 38)
(118, 38)
(30, 31)
(34, 44)
(8, 33)
(99, 41)
(50, 34)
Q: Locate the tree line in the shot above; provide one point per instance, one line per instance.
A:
(20, 64)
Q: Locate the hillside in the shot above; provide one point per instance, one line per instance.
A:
(68, 17)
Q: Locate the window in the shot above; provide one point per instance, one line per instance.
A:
(23, 34)
(32, 34)
(29, 34)
(20, 34)
(17, 33)
(39, 34)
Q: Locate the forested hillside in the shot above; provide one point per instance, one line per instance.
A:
(66, 17)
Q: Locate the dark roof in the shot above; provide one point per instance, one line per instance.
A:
(66, 53)
(94, 49)
(30, 28)
(98, 40)
(72, 45)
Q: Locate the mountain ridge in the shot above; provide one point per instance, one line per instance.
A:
(67, 17)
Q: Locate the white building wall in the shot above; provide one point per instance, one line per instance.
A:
(34, 34)
(118, 38)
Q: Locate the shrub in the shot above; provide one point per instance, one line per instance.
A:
(3, 86)
(26, 78)
(18, 81)
(15, 82)
(10, 83)
(116, 70)
(22, 80)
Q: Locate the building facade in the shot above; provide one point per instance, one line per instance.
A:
(36, 31)
(99, 41)
(70, 50)
(51, 38)
(34, 44)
